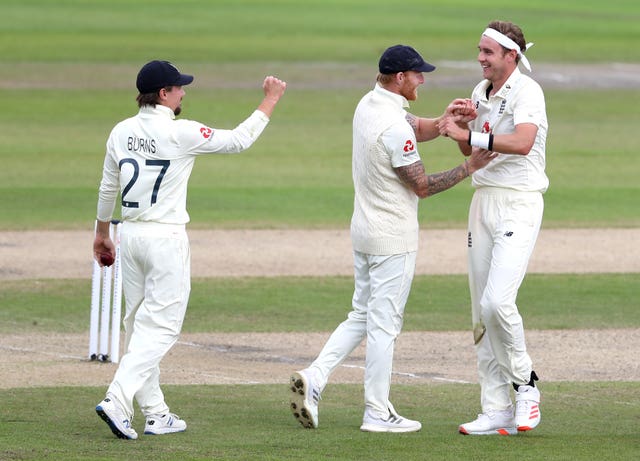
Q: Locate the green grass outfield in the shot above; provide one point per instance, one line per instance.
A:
(304, 180)
(67, 69)
(581, 421)
(286, 304)
(588, 421)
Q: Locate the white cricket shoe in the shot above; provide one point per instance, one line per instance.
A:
(113, 414)
(164, 424)
(305, 396)
(491, 423)
(527, 407)
(393, 423)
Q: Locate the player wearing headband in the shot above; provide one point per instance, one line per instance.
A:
(504, 219)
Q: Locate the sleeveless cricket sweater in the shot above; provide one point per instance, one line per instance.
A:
(385, 217)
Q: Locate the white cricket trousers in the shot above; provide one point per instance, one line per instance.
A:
(382, 285)
(156, 284)
(503, 228)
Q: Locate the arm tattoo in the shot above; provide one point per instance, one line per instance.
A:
(438, 182)
(425, 185)
(412, 175)
(413, 121)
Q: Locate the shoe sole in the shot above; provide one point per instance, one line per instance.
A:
(528, 428)
(105, 417)
(395, 430)
(499, 431)
(299, 407)
(164, 433)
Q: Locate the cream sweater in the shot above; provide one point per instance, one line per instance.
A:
(385, 214)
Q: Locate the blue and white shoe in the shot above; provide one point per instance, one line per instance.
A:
(113, 414)
(164, 424)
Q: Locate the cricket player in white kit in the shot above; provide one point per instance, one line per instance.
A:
(504, 219)
(149, 158)
(389, 179)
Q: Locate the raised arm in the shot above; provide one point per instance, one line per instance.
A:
(273, 90)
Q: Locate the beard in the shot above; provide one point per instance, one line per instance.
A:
(410, 94)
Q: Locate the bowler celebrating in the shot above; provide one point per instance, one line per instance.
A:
(504, 220)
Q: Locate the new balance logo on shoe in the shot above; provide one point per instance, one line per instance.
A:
(169, 423)
(113, 414)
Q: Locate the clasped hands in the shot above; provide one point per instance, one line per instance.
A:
(454, 124)
(458, 114)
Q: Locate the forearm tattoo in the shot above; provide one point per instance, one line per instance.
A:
(438, 182)
(425, 185)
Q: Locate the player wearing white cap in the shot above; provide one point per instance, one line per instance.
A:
(504, 219)
(149, 158)
(389, 179)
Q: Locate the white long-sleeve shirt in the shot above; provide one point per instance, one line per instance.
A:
(149, 158)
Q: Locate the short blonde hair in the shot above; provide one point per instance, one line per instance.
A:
(385, 79)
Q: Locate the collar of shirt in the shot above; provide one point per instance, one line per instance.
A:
(396, 99)
(158, 109)
(509, 85)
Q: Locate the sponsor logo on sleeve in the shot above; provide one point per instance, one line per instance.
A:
(409, 147)
(206, 132)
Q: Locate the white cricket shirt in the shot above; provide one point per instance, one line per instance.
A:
(149, 158)
(520, 100)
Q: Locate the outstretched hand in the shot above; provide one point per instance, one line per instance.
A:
(479, 159)
(462, 110)
(458, 114)
(452, 127)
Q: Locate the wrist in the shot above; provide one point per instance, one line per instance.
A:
(481, 140)
(271, 99)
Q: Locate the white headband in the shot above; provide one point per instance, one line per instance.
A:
(509, 44)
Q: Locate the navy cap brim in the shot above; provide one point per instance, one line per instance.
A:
(425, 67)
(184, 80)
